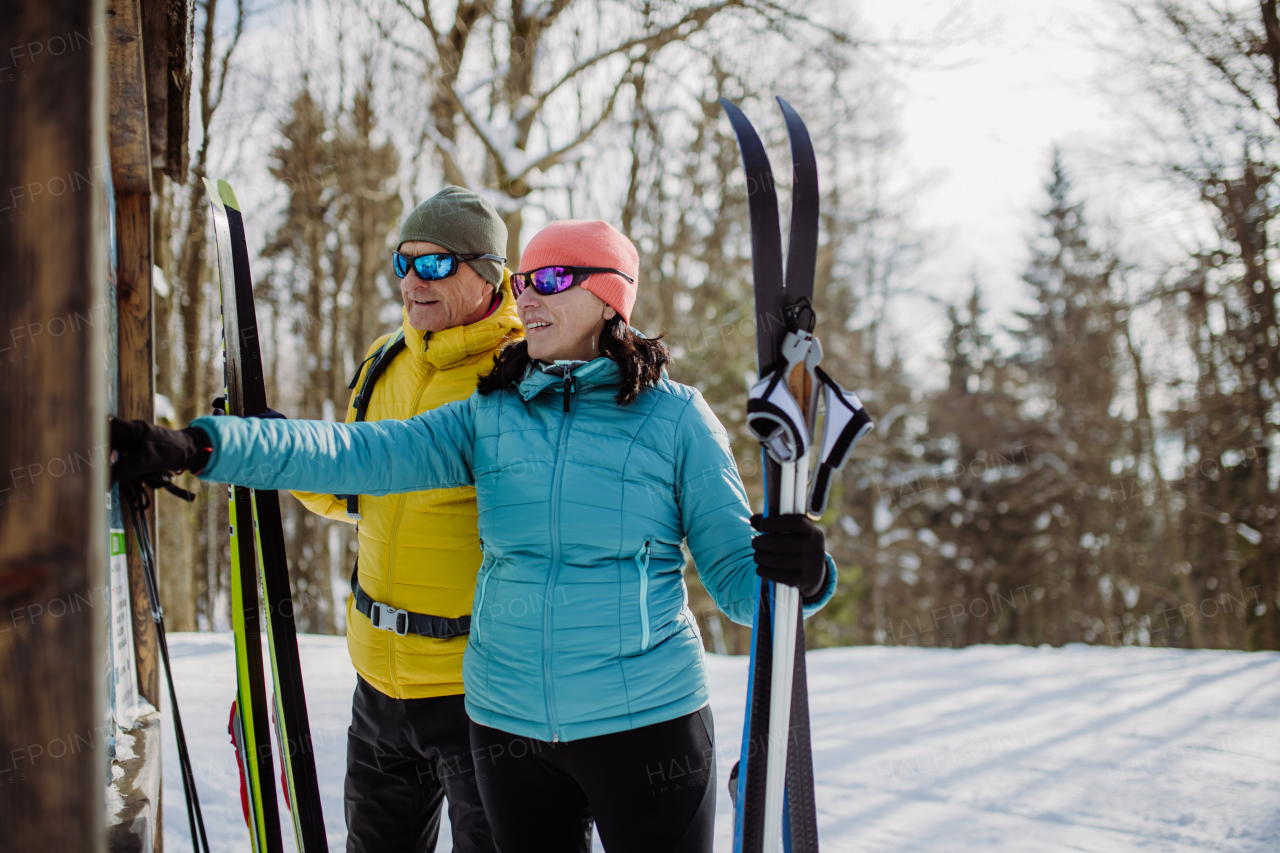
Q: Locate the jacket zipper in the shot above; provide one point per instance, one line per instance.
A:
(569, 407)
(642, 563)
(475, 619)
(395, 530)
(485, 569)
(569, 384)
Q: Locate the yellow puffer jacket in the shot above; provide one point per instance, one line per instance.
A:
(420, 551)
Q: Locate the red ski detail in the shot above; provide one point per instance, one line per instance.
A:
(244, 784)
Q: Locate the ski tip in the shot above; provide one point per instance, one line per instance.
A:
(748, 140)
(796, 128)
(211, 192)
(228, 195)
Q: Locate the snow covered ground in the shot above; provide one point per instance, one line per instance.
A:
(992, 748)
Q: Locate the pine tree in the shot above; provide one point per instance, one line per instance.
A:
(301, 279)
(1069, 345)
(956, 550)
(330, 279)
(982, 518)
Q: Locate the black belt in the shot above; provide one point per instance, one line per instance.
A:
(387, 618)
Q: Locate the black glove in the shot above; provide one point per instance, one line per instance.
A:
(220, 408)
(792, 550)
(139, 448)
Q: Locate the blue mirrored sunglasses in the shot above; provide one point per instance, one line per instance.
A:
(435, 266)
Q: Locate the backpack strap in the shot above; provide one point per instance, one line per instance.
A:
(381, 359)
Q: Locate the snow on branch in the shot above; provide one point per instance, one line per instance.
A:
(424, 18)
(557, 155)
(692, 22)
(501, 202)
(489, 79)
(513, 163)
(448, 149)
(501, 139)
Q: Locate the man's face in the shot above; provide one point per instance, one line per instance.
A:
(433, 306)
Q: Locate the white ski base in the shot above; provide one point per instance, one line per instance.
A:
(993, 748)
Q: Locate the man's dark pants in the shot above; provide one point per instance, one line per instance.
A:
(405, 757)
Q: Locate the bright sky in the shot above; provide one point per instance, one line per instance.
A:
(981, 119)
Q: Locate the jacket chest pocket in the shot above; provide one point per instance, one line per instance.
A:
(642, 565)
(482, 586)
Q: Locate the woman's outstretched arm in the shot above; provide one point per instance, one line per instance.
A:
(430, 451)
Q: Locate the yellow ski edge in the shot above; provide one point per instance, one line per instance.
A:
(248, 725)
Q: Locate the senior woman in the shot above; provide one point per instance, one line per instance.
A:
(584, 673)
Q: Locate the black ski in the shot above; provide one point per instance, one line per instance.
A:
(802, 258)
(782, 305)
(247, 397)
(802, 250)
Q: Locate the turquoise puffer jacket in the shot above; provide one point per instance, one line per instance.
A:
(580, 625)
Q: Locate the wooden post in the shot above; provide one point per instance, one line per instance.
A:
(167, 35)
(53, 440)
(137, 401)
(129, 123)
(131, 174)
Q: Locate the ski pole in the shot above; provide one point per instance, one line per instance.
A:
(139, 502)
(785, 614)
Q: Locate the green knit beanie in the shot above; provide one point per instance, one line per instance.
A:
(462, 222)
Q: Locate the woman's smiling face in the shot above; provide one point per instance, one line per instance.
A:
(563, 326)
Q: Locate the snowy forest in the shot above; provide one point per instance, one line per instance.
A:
(1095, 466)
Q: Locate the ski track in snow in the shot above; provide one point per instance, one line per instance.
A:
(993, 748)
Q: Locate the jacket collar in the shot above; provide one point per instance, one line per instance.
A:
(598, 372)
(443, 350)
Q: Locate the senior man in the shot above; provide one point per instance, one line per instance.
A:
(408, 747)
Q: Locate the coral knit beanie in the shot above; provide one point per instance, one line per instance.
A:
(577, 243)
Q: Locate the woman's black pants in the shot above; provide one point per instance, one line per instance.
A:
(647, 790)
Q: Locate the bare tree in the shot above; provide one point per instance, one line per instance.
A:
(189, 532)
(1214, 69)
(601, 50)
(328, 257)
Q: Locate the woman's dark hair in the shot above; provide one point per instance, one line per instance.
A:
(640, 360)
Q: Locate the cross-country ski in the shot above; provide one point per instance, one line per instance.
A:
(258, 566)
(774, 779)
